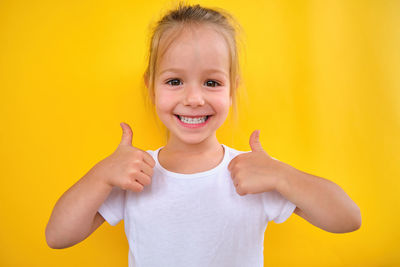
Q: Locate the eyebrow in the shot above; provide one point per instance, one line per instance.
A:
(182, 70)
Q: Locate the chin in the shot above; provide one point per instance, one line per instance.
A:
(192, 140)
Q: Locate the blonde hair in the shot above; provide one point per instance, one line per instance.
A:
(175, 21)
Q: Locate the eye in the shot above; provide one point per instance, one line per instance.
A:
(212, 83)
(173, 82)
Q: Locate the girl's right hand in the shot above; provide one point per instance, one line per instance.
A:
(128, 167)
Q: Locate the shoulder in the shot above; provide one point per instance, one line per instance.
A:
(232, 152)
(153, 152)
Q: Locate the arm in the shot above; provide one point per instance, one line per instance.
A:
(75, 215)
(319, 201)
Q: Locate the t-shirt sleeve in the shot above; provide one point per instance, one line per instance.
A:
(113, 207)
(277, 208)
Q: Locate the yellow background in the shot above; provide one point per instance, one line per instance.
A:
(322, 84)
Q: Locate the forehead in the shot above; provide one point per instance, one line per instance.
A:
(201, 44)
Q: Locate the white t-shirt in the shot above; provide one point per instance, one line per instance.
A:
(195, 220)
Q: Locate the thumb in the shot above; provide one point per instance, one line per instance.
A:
(255, 141)
(126, 134)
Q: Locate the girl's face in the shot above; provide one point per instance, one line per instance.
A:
(192, 80)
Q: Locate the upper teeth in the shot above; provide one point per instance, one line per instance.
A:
(192, 120)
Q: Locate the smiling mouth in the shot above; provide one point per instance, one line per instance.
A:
(192, 119)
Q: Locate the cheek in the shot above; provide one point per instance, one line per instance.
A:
(164, 100)
(222, 103)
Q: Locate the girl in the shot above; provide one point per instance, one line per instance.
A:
(194, 201)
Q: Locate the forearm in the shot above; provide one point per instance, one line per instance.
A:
(323, 203)
(73, 214)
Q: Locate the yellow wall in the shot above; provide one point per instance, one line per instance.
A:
(323, 86)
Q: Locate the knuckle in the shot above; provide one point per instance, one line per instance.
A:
(140, 187)
(234, 169)
(136, 186)
(133, 173)
(138, 153)
(240, 190)
(240, 186)
(237, 173)
(136, 161)
(126, 184)
(146, 181)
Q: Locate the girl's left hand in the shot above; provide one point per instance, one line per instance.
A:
(255, 172)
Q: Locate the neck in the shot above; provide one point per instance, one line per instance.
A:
(174, 145)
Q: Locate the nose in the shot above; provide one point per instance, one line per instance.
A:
(193, 96)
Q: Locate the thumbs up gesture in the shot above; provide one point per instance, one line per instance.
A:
(127, 167)
(255, 171)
